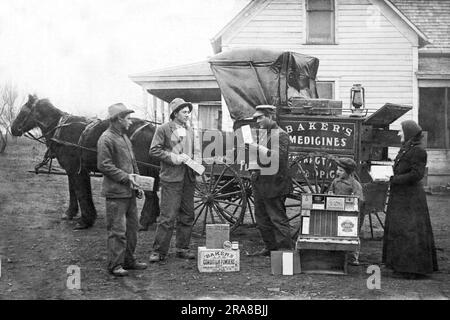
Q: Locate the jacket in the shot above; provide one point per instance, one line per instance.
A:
(167, 141)
(278, 184)
(349, 186)
(115, 159)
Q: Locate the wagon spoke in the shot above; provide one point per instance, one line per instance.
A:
(249, 199)
(313, 158)
(211, 177)
(225, 185)
(228, 203)
(218, 214)
(204, 219)
(199, 214)
(298, 185)
(227, 215)
(304, 177)
(228, 194)
(218, 179)
(322, 189)
(198, 206)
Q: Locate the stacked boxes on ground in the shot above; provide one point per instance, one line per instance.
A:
(219, 255)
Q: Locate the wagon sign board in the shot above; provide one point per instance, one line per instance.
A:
(320, 135)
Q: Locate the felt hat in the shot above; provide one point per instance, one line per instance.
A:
(348, 164)
(263, 110)
(410, 129)
(177, 104)
(118, 109)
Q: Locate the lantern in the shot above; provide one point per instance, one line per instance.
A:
(357, 99)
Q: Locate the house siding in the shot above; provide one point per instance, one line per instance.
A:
(369, 49)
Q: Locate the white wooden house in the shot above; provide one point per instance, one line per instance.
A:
(398, 50)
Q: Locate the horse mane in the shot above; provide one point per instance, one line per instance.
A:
(47, 103)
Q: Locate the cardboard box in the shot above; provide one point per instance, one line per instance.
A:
(285, 262)
(218, 260)
(216, 235)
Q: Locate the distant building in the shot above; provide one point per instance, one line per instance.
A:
(399, 50)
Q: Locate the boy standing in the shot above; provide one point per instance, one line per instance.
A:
(346, 184)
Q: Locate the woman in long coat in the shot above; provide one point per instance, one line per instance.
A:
(408, 245)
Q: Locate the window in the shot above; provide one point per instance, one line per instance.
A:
(325, 89)
(319, 21)
(434, 113)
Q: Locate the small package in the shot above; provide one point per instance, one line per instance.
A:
(218, 260)
(217, 235)
(247, 134)
(146, 183)
(197, 167)
(285, 262)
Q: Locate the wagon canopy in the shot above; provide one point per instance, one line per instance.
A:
(250, 77)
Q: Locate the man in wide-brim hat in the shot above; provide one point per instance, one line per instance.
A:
(173, 145)
(115, 159)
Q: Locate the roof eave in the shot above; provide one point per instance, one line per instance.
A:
(410, 24)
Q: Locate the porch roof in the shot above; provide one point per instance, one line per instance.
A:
(193, 82)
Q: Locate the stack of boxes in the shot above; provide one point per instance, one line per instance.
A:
(219, 255)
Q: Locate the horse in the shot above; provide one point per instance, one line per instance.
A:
(72, 140)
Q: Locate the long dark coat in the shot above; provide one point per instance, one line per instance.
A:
(278, 184)
(408, 244)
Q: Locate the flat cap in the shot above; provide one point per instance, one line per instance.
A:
(263, 109)
(348, 164)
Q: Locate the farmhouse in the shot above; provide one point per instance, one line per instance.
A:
(399, 50)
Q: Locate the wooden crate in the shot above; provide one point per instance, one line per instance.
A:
(323, 261)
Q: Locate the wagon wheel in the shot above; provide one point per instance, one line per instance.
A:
(220, 196)
(306, 179)
(250, 212)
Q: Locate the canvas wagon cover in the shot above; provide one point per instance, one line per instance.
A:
(250, 77)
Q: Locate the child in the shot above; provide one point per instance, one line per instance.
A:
(346, 184)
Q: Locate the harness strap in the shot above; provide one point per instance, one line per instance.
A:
(138, 130)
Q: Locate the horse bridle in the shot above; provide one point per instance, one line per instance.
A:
(28, 133)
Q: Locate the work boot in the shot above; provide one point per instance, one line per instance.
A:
(185, 254)
(81, 226)
(136, 266)
(119, 272)
(156, 257)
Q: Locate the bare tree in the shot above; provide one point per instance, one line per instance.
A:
(9, 98)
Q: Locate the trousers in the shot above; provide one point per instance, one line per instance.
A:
(272, 222)
(177, 207)
(122, 226)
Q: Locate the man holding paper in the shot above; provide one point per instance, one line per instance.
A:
(173, 144)
(115, 159)
(270, 190)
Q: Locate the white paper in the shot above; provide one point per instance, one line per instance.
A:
(181, 132)
(288, 263)
(305, 225)
(247, 134)
(381, 173)
(197, 167)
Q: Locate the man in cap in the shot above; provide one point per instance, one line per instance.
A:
(115, 159)
(270, 190)
(173, 145)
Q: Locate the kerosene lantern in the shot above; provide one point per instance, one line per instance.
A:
(357, 100)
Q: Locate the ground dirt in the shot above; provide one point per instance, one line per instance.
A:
(36, 247)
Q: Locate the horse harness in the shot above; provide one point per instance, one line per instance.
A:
(50, 155)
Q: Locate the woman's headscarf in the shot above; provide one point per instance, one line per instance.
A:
(410, 129)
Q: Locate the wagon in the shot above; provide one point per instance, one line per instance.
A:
(320, 130)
